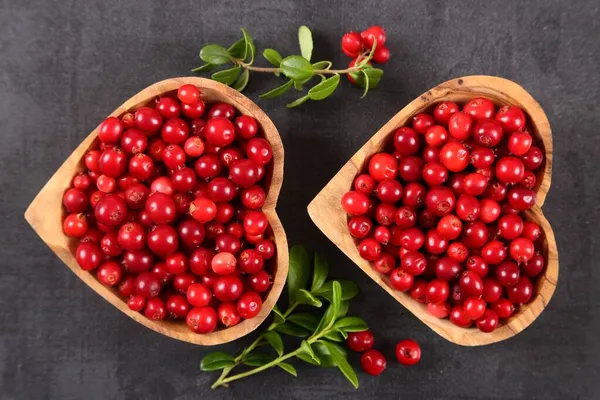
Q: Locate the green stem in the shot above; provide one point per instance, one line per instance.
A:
(273, 70)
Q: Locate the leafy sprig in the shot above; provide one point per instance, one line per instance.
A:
(319, 333)
(299, 70)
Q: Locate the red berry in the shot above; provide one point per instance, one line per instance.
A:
(221, 110)
(534, 266)
(440, 200)
(244, 173)
(521, 250)
(193, 111)
(360, 341)
(148, 119)
(202, 319)
(436, 136)
(507, 274)
(373, 362)
(460, 126)
(75, 201)
(155, 309)
(443, 111)
(203, 209)
(228, 287)
(401, 280)
(474, 307)
(439, 310)
(249, 305)
(487, 133)
(471, 284)
(519, 143)
(168, 107)
(110, 210)
(383, 166)
(88, 255)
(219, 131)
(188, 94)
(247, 127)
(198, 295)
(352, 44)
(492, 290)
(512, 118)
(447, 269)
(110, 130)
(437, 291)
(224, 263)
(454, 156)
(459, 317)
(480, 108)
(381, 55)
(136, 302)
(175, 131)
(408, 352)
(504, 308)
(477, 265)
(488, 322)
(374, 34)
(406, 141)
(163, 240)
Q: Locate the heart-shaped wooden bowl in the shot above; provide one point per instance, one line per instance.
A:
(45, 214)
(327, 213)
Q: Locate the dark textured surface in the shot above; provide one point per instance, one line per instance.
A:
(64, 65)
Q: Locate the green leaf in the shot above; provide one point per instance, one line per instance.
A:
(322, 65)
(272, 56)
(239, 49)
(297, 102)
(278, 91)
(320, 272)
(344, 305)
(299, 85)
(251, 49)
(296, 68)
(306, 349)
(227, 76)
(342, 364)
(351, 324)
(306, 42)
(292, 330)
(305, 297)
(242, 80)
(287, 368)
(325, 88)
(299, 271)
(215, 361)
(374, 75)
(306, 320)
(366, 84)
(279, 318)
(275, 341)
(329, 317)
(349, 290)
(323, 353)
(215, 54)
(335, 336)
(204, 68)
(257, 359)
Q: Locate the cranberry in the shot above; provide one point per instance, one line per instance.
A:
(352, 44)
(188, 94)
(221, 110)
(521, 250)
(436, 136)
(519, 143)
(406, 141)
(156, 148)
(161, 208)
(454, 156)
(460, 126)
(507, 273)
(173, 156)
(163, 240)
(110, 245)
(110, 210)
(488, 322)
(255, 222)
(168, 107)
(373, 35)
(198, 295)
(503, 307)
(439, 310)
(160, 270)
(459, 317)
(373, 362)
(447, 269)
(247, 127)
(136, 302)
(228, 314)
(360, 226)
(431, 154)
(147, 285)
(260, 281)
(412, 239)
(529, 180)
(228, 287)
(401, 280)
(531, 268)
(224, 263)
(202, 319)
(389, 191)
(456, 183)
(203, 209)
(477, 265)
(148, 119)
(435, 174)
(244, 172)
(369, 249)
(193, 111)
(408, 352)
(75, 201)
(82, 181)
(414, 263)
(422, 122)
(443, 111)
(253, 197)
(249, 305)
(259, 150)
(458, 251)
(437, 291)
(214, 229)
(449, 227)
(110, 130)
(194, 146)
(383, 166)
(411, 168)
(475, 235)
(511, 118)
(471, 284)
(456, 295)
(177, 306)
(522, 292)
(137, 261)
(496, 191)
(492, 290)
(417, 291)
(474, 307)
(510, 226)
(88, 256)
(113, 162)
(532, 159)
(182, 282)
(494, 252)
(91, 160)
(487, 133)
(132, 236)
(480, 108)
(414, 195)
(531, 231)
(235, 229)
(176, 263)
(435, 243)
(155, 309)
(440, 200)
(365, 184)
(384, 214)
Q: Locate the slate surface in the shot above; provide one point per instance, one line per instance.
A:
(64, 65)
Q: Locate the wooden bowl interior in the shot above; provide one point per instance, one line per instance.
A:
(45, 213)
(327, 213)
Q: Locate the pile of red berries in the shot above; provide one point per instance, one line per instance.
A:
(373, 362)
(358, 46)
(440, 214)
(169, 211)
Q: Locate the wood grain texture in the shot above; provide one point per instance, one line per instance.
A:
(45, 213)
(326, 211)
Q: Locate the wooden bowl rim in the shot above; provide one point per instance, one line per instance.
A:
(37, 216)
(326, 212)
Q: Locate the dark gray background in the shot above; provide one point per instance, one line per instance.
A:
(64, 65)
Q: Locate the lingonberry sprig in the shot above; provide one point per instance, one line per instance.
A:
(320, 333)
(298, 69)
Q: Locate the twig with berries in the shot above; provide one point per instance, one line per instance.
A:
(298, 69)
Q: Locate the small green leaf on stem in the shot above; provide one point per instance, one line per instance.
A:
(296, 68)
(251, 49)
(322, 65)
(278, 91)
(351, 324)
(257, 359)
(306, 349)
(305, 297)
(275, 341)
(335, 336)
(320, 272)
(215, 361)
(215, 54)
(344, 305)
(242, 80)
(298, 101)
(273, 57)
(227, 76)
(278, 312)
(349, 290)
(204, 68)
(325, 88)
(374, 75)
(329, 317)
(287, 368)
(299, 85)
(299, 271)
(366, 84)
(342, 364)
(306, 42)
(239, 49)
(305, 320)
(292, 330)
